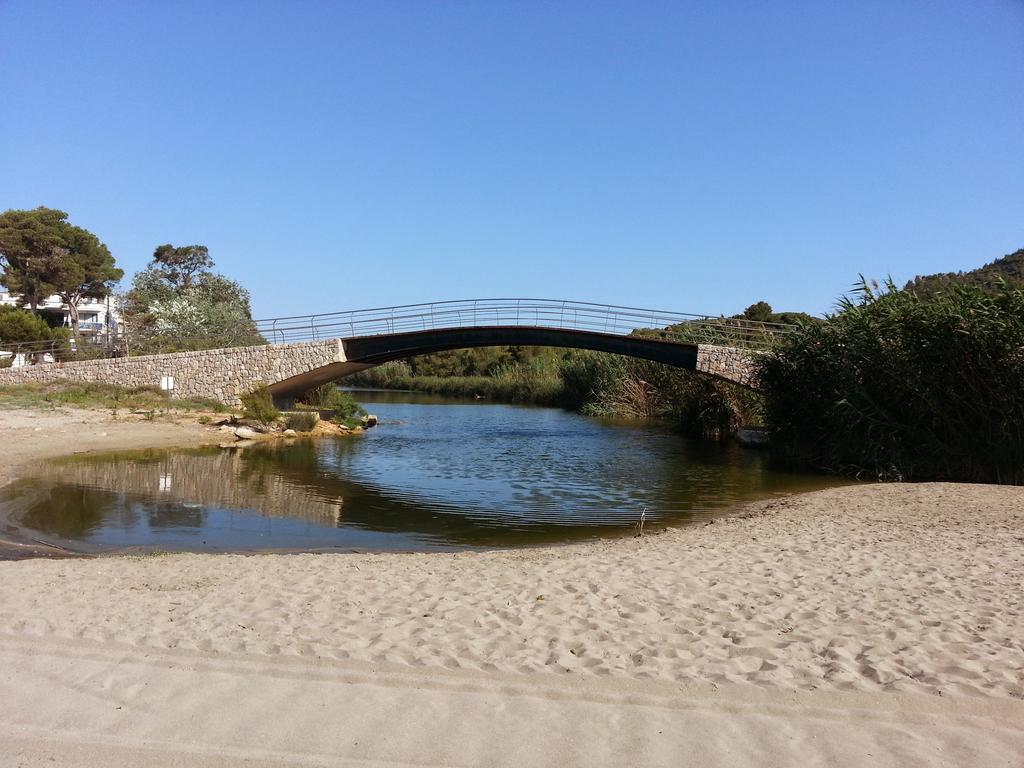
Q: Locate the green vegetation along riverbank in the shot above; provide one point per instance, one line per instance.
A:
(592, 383)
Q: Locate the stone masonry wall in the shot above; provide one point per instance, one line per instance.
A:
(736, 365)
(219, 374)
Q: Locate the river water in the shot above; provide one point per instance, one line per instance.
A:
(436, 474)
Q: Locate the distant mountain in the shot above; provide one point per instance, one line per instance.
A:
(1009, 268)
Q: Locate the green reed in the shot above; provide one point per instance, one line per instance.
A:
(901, 386)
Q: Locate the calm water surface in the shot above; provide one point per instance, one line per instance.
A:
(436, 474)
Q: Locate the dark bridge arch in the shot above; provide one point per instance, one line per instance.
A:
(370, 351)
(360, 353)
(374, 350)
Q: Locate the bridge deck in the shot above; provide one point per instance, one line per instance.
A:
(307, 351)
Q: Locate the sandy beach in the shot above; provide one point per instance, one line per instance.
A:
(870, 625)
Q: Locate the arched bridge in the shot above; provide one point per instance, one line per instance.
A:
(303, 352)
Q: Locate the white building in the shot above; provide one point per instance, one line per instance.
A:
(96, 318)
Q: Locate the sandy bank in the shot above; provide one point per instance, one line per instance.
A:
(30, 435)
(878, 625)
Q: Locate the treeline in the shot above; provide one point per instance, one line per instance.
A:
(1005, 271)
(176, 303)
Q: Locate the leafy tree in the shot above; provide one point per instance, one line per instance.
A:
(81, 268)
(27, 241)
(180, 266)
(177, 304)
(761, 312)
(44, 254)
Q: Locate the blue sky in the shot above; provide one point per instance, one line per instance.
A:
(684, 156)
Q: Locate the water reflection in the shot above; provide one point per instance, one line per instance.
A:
(432, 476)
(82, 511)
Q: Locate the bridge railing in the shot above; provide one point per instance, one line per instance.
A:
(532, 313)
(51, 351)
(473, 313)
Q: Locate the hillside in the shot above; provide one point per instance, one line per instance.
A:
(1009, 268)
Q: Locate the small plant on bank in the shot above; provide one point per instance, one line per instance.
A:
(258, 405)
(346, 410)
(328, 397)
(301, 421)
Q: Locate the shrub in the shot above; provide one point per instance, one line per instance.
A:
(347, 411)
(714, 409)
(300, 421)
(258, 405)
(905, 386)
(329, 398)
(321, 397)
(19, 326)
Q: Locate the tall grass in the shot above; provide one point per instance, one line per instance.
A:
(699, 405)
(897, 385)
(537, 382)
